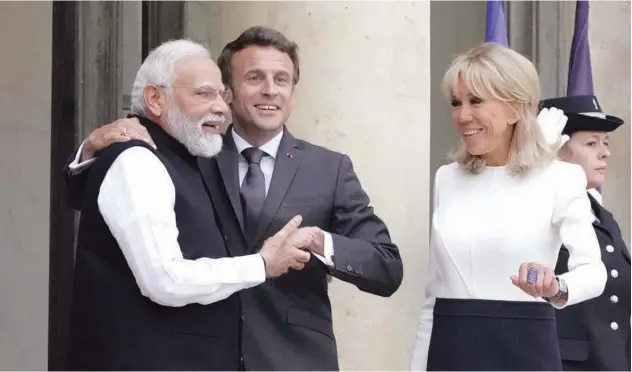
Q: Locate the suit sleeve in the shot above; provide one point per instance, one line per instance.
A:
(363, 252)
(76, 176)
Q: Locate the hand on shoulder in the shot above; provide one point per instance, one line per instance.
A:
(121, 130)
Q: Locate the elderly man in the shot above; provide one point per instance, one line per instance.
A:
(265, 177)
(154, 280)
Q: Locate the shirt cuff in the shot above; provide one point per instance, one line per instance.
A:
(75, 167)
(328, 250)
(254, 269)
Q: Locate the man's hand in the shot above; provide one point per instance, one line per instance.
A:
(121, 130)
(310, 238)
(552, 122)
(279, 252)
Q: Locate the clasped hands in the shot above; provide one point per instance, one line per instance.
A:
(290, 247)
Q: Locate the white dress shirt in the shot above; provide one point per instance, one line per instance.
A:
(75, 166)
(485, 226)
(267, 167)
(136, 200)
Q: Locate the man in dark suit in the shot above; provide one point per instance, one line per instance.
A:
(263, 177)
(595, 335)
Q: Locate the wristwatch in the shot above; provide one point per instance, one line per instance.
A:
(561, 297)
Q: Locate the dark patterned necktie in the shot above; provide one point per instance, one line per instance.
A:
(253, 189)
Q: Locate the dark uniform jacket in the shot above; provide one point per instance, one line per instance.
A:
(595, 335)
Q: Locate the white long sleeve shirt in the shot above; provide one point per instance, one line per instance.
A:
(136, 200)
(485, 226)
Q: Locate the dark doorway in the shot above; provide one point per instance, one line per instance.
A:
(62, 217)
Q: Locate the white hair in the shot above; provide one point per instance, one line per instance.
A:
(160, 66)
(189, 132)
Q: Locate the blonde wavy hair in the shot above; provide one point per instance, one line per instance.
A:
(491, 71)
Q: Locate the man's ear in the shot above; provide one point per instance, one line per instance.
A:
(154, 98)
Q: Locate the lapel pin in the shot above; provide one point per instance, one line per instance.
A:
(289, 155)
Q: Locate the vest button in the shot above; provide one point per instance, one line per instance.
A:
(225, 238)
(614, 299)
(614, 326)
(609, 248)
(614, 273)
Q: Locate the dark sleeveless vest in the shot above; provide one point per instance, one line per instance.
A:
(113, 326)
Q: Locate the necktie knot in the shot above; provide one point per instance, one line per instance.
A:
(253, 155)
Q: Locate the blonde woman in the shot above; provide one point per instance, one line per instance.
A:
(501, 212)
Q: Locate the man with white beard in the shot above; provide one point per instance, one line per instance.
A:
(154, 277)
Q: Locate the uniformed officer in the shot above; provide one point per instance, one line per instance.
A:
(595, 335)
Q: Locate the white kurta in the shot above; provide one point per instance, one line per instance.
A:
(485, 226)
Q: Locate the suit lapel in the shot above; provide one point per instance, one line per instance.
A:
(227, 162)
(286, 164)
(216, 191)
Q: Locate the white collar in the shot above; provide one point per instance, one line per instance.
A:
(271, 147)
(597, 195)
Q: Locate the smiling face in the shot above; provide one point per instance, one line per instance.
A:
(494, 93)
(197, 90)
(263, 90)
(192, 108)
(486, 125)
(590, 150)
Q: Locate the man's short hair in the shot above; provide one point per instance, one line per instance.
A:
(257, 36)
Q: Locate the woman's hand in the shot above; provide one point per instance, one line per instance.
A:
(536, 280)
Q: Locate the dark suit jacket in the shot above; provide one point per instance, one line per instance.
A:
(287, 321)
(588, 340)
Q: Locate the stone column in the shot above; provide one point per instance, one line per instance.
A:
(609, 37)
(25, 137)
(364, 91)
